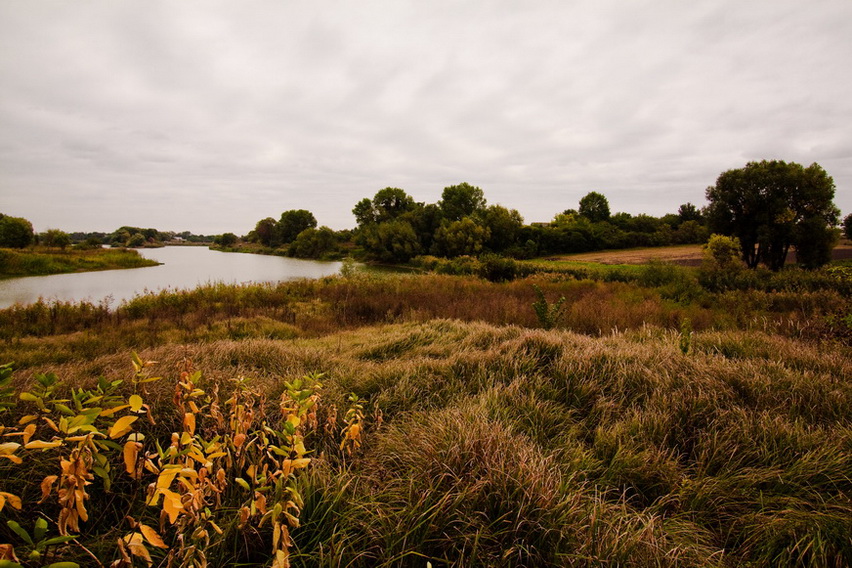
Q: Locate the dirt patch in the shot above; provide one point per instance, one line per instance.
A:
(683, 255)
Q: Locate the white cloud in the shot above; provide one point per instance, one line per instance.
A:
(210, 116)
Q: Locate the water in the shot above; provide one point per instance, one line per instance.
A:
(183, 268)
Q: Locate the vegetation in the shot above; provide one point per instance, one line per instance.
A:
(772, 205)
(43, 261)
(656, 423)
(15, 232)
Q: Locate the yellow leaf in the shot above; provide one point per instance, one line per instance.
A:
(152, 537)
(294, 420)
(172, 504)
(13, 500)
(26, 419)
(164, 481)
(51, 423)
(28, 432)
(137, 547)
(135, 402)
(300, 463)
(42, 445)
(8, 448)
(189, 423)
(131, 455)
(47, 486)
(122, 426)
(111, 411)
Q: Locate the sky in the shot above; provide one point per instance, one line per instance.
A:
(208, 115)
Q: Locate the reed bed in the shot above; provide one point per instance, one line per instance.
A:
(502, 445)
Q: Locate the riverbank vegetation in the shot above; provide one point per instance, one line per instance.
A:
(664, 418)
(40, 261)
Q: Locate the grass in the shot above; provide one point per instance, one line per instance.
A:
(490, 442)
(40, 262)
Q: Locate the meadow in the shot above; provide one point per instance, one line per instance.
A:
(41, 261)
(664, 418)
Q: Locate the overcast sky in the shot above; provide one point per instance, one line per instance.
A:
(208, 116)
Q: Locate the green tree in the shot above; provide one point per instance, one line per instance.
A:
(594, 207)
(266, 232)
(313, 243)
(462, 200)
(293, 222)
(15, 232)
(388, 204)
(772, 205)
(689, 212)
(392, 241)
(504, 227)
(136, 240)
(847, 226)
(226, 239)
(463, 237)
(55, 238)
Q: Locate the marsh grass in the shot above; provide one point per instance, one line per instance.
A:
(510, 446)
(38, 262)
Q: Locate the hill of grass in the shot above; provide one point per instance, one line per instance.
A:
(447, 429)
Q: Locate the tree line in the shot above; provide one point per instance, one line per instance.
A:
(769, 207)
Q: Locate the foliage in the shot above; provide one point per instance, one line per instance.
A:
(460, 238)
(772, 205)
(548, 314)
(15, 232)
(847, 226)
(314, 243)
(54, 238)
(391, 241)
(594, 207)
(292, 223)
(387, 205)
(460, 201)
(226, 240)
(230, 467)
(39, 262)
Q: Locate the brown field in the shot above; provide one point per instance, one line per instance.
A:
(684, 255)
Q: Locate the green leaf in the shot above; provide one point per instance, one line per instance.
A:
(29, 397)
(242, 483)
(58, 540)
(63, 565)
(63, 409)
(40, 529)
(10, 564)
(20, 531)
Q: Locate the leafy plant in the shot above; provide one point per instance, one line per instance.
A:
(548, 314)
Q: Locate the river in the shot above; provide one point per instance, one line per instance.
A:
(182, 267)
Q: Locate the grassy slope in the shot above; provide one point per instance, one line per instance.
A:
(41, 262)
(505, 445)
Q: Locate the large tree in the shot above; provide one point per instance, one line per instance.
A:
(293, 222)
(388, 204)
(773, 205)
(15, 232)
(462, 200)
(594, 207)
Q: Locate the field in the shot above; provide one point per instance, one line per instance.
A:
(683, 255)
(401, 420)
(43, 261)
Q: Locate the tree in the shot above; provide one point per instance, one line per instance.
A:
(462, 200)
(689, 212)
(847, 226)
(293, 222)
(15, 232)
(464, 237)
(504, 226)
(266, 232)
(313, 243)
(388, 204)
(392, 241)
(594, 207)
(772, 205)
(55, 238)
(226, 240)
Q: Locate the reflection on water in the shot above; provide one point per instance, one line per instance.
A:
(181, 268)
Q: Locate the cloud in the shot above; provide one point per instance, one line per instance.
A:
(210, 116)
